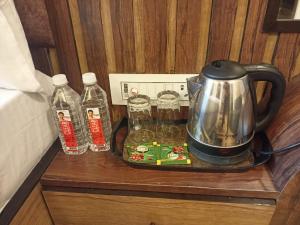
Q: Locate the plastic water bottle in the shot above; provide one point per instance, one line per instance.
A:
(65, 103)
(96, 113)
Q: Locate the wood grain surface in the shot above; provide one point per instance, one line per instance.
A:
(35, 22)
(271, 42)
(54, 61)
(296, 67)
(288, 207)
(107, 171)
(286, 54)
(90, 15)
(139, 40)
(171, 36)
(283, 131)
(189, 28)
(33, 211)
(155, 35)
(108, 35)
(221, 29)
(77, 208)
(75, 17)
(238, 31)
(122, 19)
(174, 36)
(203, 35)
(61, 26)
(41, 60)
(254, 39)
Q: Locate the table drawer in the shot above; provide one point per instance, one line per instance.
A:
(80, 208)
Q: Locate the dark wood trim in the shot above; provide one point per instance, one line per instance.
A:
(271, 24)
(287, 209)
(222, 21)
(194, 197)
(35, 22)
(27, 186)
(107, 171)
(61, 25)
(41, 60)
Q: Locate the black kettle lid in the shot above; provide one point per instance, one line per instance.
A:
(224, 70)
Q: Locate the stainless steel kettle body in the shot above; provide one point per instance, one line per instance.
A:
(222, 113)
(223, 110)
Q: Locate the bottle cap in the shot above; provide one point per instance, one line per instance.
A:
(89, 78)
(59, 79)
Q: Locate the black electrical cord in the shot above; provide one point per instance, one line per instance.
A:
(283, 150)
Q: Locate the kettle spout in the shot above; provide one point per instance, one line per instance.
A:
(193, 85)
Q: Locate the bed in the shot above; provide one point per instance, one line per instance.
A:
(27, 131)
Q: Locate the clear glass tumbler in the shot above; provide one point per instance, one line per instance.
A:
(168, 116)
(140, 121)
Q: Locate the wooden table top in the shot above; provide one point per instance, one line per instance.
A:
(106, 171)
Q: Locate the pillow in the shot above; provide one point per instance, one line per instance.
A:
(16, 66)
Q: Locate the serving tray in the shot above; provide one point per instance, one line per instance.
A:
(261, 153)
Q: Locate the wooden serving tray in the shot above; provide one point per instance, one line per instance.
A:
(254, 159)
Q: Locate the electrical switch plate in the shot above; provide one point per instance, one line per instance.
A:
(122, 86)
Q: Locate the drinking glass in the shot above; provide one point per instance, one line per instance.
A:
(140, 121)
(168, 116)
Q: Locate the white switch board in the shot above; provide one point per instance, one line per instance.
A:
(122, 86)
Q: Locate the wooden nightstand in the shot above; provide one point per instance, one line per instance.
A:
(98, 188)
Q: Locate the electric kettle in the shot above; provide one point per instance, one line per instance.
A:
(223, 115)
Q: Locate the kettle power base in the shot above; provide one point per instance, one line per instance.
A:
(250, 159)
(245, 157)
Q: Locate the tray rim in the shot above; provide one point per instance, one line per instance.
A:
(123, 123)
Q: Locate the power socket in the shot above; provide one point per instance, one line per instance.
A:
(122, 86)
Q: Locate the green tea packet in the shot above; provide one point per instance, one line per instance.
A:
(157, 154)
(174, 155)
(142, 153)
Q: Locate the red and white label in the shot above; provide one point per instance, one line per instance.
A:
(67, 128)
(95, 126)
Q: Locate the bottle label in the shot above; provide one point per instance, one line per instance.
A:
(67, 128)
(95, 126)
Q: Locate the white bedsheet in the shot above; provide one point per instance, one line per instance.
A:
(27, 131)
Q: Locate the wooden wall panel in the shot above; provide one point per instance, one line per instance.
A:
(238, 31)
(155, 34)
(108, 35)
(33, 211)
(35, 22)
(288, 207)
(75, 17)
(61, 26)
(102, 209)
(286, 54)
(54, 61)
(122, 42)
(267, 58)
(192, 32)
(254, 42)
(41, 60)
(171, 36)
(221, 29)
(282, 132)
(296, 67)
(139, 35)
(90, 16)
(123, 34)
(257, 47)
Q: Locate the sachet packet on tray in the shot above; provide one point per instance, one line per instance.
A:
(157, 154)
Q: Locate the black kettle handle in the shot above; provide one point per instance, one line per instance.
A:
(267, 72)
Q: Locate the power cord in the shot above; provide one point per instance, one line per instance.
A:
(283, 150)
